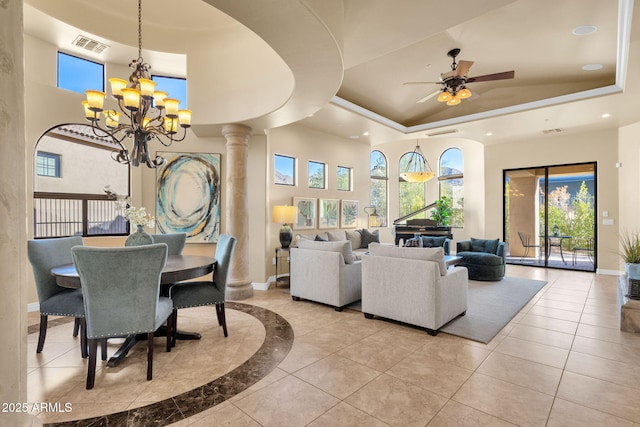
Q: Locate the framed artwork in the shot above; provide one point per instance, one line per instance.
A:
(188, 196)
(328, 213)
(306, 213)
(349, 214)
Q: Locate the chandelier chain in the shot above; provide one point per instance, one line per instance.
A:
(139, 28)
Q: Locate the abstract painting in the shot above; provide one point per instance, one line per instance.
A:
(188, 196)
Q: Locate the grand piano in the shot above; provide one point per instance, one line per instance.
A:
(405, 227)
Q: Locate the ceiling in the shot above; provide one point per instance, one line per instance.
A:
(384, 44)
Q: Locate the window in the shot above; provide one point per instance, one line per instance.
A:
(48, 164)
(344, 178)
(317, 175)
(77, 74)
(379, 179)
(176, 87)
(451, 183)
(412, 194)
(284, 170)
(76, 202)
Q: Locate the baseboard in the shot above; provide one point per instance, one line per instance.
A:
(262, 286)
(608, 272)
(34, 306)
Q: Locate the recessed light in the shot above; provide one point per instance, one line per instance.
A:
(592, 67)
(605, 115)
(354, 136)
(488, 134)
(584, 30)
(365, 133)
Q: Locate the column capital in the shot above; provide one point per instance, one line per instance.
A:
(237, 130)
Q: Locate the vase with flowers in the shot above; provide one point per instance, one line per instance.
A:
(137, 217)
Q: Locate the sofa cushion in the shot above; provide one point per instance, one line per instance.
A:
(423, 254)
(484, 245)
(336, 236)
(369, 237)
(344, 247)
(433, 242)
(355, 237)
(480, 258)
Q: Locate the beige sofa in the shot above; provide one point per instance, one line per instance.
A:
(325, 272)
(412, 285)
(359, 238)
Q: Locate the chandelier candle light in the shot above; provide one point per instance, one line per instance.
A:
(150, 113)
(418, 168)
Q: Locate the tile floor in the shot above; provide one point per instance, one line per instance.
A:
(562, 361)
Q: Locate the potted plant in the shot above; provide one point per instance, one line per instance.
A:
(630, 252)
(441, 213)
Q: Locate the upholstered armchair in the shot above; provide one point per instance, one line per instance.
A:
(121, 289)
(412, 286)
(44, 254)
(485, 259)
(325, 272)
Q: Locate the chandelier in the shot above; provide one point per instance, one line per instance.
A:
(453, 93)
(417, 169)
(148, 113)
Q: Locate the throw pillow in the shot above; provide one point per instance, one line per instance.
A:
(336, 236)
(343, 247)
(319, 238)
(355, 237)
(369, 237)
(484, 245)
(433, 242)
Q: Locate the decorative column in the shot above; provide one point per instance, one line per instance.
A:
(13, 216)
(237, 209)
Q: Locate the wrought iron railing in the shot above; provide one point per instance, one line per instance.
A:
(65, 214)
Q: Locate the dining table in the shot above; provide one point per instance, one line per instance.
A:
(176, 269)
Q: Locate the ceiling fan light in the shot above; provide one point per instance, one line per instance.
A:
(454, 101)
(464, 93)
(444, 96)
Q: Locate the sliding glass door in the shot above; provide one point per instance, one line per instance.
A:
(549, 216)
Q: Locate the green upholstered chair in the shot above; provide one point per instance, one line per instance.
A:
(175, 241)
(194, 294)
(44, 254)
(484, 258)
(121, 289)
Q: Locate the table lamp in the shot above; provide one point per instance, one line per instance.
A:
(285, 215)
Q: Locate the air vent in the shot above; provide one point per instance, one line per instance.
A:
(556, 130)
(444, 132)
(89, 44)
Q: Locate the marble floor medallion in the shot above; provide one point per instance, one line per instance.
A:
(277, 343)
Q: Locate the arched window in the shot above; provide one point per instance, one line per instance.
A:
(72, 170)
(412, 195)
(379, 179)
(451, 181)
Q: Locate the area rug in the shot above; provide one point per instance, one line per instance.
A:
(491, 305)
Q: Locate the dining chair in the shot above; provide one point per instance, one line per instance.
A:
(194, 294)
(44, 254)
(175, 242)
(121, 296)
(527, 244)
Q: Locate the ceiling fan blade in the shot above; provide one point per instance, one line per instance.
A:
(490, 77)
(419, 83)
(462, 69)
(428, 97)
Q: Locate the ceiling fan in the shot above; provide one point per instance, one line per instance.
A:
(454, 82)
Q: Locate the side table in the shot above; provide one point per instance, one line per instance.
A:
(282, 253)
